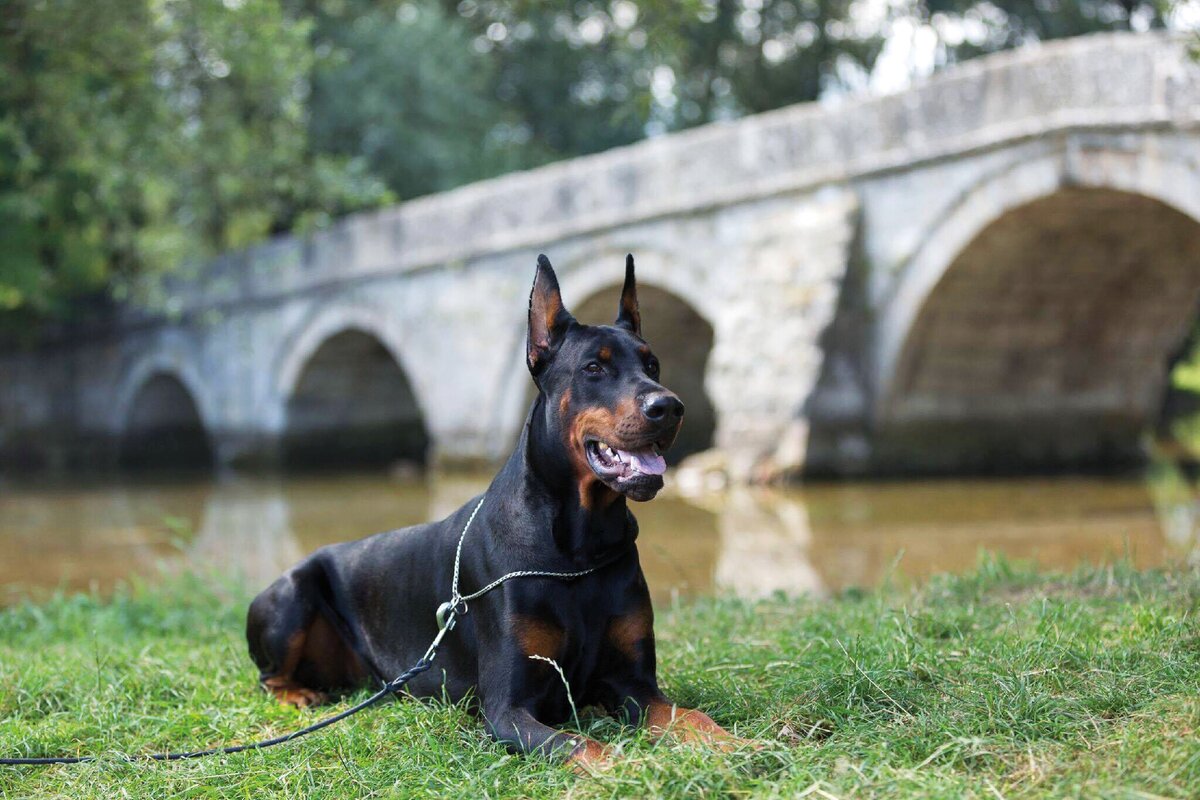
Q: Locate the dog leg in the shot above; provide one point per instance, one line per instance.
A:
(299, 653)
(519, 732)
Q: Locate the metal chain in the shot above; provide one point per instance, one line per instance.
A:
(529, 573)
(457, 599)
(458, 551)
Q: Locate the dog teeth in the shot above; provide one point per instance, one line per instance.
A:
(613, 456)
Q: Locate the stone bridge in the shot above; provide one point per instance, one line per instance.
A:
(990, 271)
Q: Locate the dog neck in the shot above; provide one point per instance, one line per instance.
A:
(541, 475)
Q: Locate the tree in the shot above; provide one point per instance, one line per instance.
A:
(586, 76)
(135, 135)
(968, 28)
(404, 90)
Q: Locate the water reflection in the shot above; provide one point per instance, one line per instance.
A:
(752, 542)
(828, 538)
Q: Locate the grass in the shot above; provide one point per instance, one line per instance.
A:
(1004, 683)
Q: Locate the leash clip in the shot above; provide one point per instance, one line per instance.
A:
(447, 616)
(449, 612)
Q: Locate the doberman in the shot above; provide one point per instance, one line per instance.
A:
(360, 612)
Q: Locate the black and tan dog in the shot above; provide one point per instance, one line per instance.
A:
(362, 612)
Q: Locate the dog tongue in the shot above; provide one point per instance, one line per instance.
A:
(645, 461)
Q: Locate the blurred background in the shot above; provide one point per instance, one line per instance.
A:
(922, 301)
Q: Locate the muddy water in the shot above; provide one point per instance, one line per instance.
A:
(820, 539)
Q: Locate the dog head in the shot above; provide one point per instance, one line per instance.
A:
(600, 389)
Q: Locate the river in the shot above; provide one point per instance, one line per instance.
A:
(820, 539)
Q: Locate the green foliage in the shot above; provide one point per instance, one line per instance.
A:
(1002, 683)
(236, 76)
(134, 135)
(583, 77)
(404, 90)
(968, 28)
(735, 58)
(71, 186)
(1185, 374)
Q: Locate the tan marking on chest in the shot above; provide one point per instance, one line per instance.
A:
(627, 632)
(537, 637)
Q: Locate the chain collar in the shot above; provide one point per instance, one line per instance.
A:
(456, 606)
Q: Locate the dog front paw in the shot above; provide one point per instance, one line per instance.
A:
(590, 757)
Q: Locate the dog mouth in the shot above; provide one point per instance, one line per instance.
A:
(636, 472)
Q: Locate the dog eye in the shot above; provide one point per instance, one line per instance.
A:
(652, 368)
(592, 368)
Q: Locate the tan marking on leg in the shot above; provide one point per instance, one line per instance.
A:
(627, 632)
(688, 725)
(288, 692)
(281, 685)
(330, 658)
(538, 637)
(316, 643)
(295, 648)
(590, 757)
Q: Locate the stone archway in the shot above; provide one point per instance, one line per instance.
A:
(351, 404)
(163, 429)
(1044, 341)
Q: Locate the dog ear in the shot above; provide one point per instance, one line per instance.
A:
(628, 316)
(548, 317)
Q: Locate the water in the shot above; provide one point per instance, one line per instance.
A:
(820, 539)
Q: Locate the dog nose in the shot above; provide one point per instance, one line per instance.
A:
(662, 405)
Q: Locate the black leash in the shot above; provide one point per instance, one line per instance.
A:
(394, 686)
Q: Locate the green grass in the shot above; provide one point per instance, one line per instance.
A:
(1004, 683)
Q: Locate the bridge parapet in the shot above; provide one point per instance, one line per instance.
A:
(1096, 82)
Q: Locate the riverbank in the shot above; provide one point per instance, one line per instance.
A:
(1002, 683)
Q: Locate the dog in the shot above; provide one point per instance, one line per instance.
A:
(361, 612)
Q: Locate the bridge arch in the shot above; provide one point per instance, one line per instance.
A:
(160, 418)
(161, 413)
(343, 395)
(1035, 324)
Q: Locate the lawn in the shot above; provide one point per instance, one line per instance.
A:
(1004, 683)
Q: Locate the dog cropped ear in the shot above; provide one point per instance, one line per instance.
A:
(548, 318)
(628, 316)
